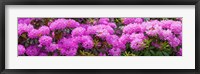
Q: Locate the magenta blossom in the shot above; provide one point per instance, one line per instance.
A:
(153, 28)
(138, 20)
(24, 20)
(68, 52)
(44, 30)
(115, 52)
(21, 50)
(34, 33)
(52, 47)
(113, 25)
(165, 34)
(179, 53)
(137, 44)
(88, 44)
(134, 36)
(24, 28)
(43, 54)
(133, 28)
(174, 42)
(32, 50)
(128, 20)
(103, 20)
(124, 38)
(176, 27)
(79, 31)
(70, 23)
(58, 24)
(45, 40)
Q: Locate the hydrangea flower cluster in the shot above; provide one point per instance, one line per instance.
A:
(99, 36)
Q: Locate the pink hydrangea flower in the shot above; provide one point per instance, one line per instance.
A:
(137, 44)
(176, 27)
(115, 52)
(165, 34)
(34, 33)
(58, 24)
(52, 47)
(134, 36)
(21, 50)
(44, 30)
(45, 40)
(138, 20)
(88, 44)
(24, 28)
(133, 28)
(174, 41)
(179, 53)
(72, 23)
(32, 50)
(103, 20)
(113, 25)
(153, 28)
(124, 38)
(79, 31)
(128, 20)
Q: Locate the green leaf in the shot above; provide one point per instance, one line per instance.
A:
(165, 53)
(168, 50)
(128, 54)
(24, 35)
(159, 53)
(152, 52)
(147, 53)
(151, 47)
(26, 44)
(127, 46)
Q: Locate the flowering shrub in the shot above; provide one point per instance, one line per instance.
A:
(99, 36)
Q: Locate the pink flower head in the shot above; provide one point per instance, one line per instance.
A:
(79, 31)
(138, 20)
(58, 24)
(176, 27)
(124, 38)
(43, 54)
(134, 36)
(115, 52)
(34, 33)
(165, 24)
(153, 28)
(21, 28)
(68, 43)
(165, 34)
(91, 30)
(24, 20)
(21, 50)
(179, 53)
(128, 20)
(113, 25)
(174, 41)
(102, 33)
(112, 38)
(72, 23)
(104, 27)
(32, 50)
(44, 30)
(133, 28)
(24, 28)
(52, 47)
(45, 40)
(103, 20)
(137, 44)
(88, 44)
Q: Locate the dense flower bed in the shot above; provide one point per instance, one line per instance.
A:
(99, 36)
